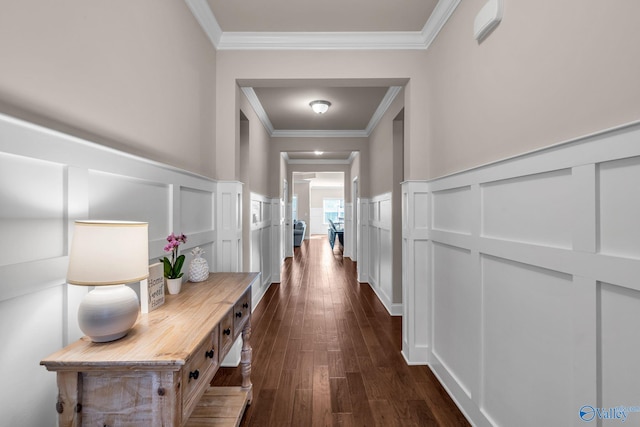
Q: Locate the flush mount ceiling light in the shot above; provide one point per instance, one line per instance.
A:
(320, 106)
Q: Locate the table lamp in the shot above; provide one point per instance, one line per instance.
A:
(108, 254)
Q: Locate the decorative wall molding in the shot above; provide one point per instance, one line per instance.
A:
(363, 243)
(520, 278)
(265, 236)
(319, 162)
(229, 226)
(276, 251)
(385, 103)
(348, 229)
(206, 19)
(380, 251)
(49, 179)
(416, 291)
(403, 40)
(284, 133)
(441, 14)
(252, 97)
(390, 40)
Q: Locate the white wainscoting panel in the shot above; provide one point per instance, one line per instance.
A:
(115, 197)
(47, 181)
(619, 342)
(416, 259)
(229, 226)
(264, 241)
(520, 281)
(34, 191)
(452, 210)
(456, 330)
(379, 251)
(277, 244)
(349, 235)
(539, 209)
(363, 242)
(527, 356)
(32, 329)
(619, 210)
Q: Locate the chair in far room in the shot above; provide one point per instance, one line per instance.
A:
(299, 228)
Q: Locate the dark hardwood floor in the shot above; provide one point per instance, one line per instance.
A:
(326, 352)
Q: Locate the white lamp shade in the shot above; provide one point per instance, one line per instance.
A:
(108, 253)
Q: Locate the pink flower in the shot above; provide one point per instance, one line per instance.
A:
(173, 266)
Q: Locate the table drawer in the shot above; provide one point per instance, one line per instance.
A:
(226, 334)
(198, 371)
(242, 311)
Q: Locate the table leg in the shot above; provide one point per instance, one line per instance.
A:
(245, 360)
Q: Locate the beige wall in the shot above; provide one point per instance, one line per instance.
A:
(135, 75)
(317, 195)
(551, 71)
(381, 165)
(309, 168)
(257, 161)
(301, 190)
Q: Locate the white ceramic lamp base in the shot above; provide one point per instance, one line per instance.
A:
(107, 313)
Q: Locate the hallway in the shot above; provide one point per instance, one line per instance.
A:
(326, 352)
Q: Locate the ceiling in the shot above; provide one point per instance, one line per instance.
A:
(323, 16)
(351, 107)
(356, 105)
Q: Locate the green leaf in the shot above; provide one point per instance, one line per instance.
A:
(177, 267)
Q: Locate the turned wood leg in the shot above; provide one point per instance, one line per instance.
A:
(245, 359)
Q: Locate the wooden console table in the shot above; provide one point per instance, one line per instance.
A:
(159, 374)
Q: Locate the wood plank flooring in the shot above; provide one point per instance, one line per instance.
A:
(327, 353)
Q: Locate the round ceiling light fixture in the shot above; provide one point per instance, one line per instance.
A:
(320, 106)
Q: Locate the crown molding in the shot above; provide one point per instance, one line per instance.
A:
(259, 110)
(293, 133)
(206, 19)
(441, 14)
(321, 40)
(318, 162)
(381, 40)
(391, 94)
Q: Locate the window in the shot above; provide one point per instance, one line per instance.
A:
(332, 209)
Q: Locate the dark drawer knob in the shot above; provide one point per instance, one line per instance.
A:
(239, 314)
(227, 331)
(195, 374)
(245, 305)
(209, 354)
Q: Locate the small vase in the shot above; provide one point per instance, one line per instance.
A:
(198, 268)
(174, 285)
